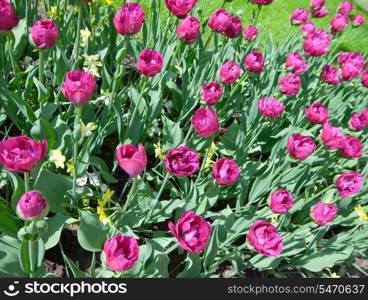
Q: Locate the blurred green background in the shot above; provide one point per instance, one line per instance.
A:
(275, 18)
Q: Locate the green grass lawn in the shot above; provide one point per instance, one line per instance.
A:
(275, 18)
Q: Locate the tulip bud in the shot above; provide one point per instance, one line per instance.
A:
(270, 108)
(129, 19)
(281, 201)
(317, 4)
(358, 20)
(339, 23)
(211, 92)
(8, 18)
(131, 159)
(188, 30)
(250, 33)
(308, 28)
(330, 75)
(358, 121)
(192, 232)
(230, 72)
(32, 206)
(352, 148)
(234, 28)
(296, 63)
(225, 171)
(182, 161)
(349, 183)
(299, 16)
(323, 214)
(205, 122)
(121, 252)
(180, 8)
(150, 62)
(290, 84)
(317, 113)
(320, 13)
(44, 34)
(300, 146)
(21, 153)
(219, 20)
(262, 2)
(78, 86)
(254, 62)
(345, 8)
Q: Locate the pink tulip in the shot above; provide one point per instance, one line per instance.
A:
(254, 62)
(21, 154)
(317, 113)
(317, 4)
(339, 23)
(320, 13)
(8, 18)
(354, 58)
(129, 19)
(262, 2)
(308, 28)
(121, 252)
(358, 20)
(180, 8)
(365, 79)
(358, 121)
(225, 171)
(332, 137)
(330, 75)
(44, 34)
(78, 86)
(264, 237)
(296, 63)
(323, 214)
(150, 62)
(300, 146)
(192, 232)
(281, 201)
(352, 148)
(290, 84)
(230, 72)
(211, 92)
(219, 20)
(205, 122)
(188, 30)
(299, 16)
(349, 183)
(317, 43)
(131, 159)
(182, 161)
(32, 206)
(270, 107)
(346, 8)
(234, 28)
(250, 33)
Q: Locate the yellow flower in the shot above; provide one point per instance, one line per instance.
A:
(86, 130)
(92, 63)
(361, 213)
(57, 158)
(158, 151)
(53, 13)
(334, 275)
(274, 220)
(70, 167)
(106, 197)
(76, 10)
(102, 216)
(85, 35)
(109, 2)
(210, 155)
(329, 198)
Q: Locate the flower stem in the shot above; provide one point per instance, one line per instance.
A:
(31, 257)
(205, 158)
(11, 53)
(129, 198)
(26, 181)
(149, 215)
(77, 41)
(40, 74)
(75, 150)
